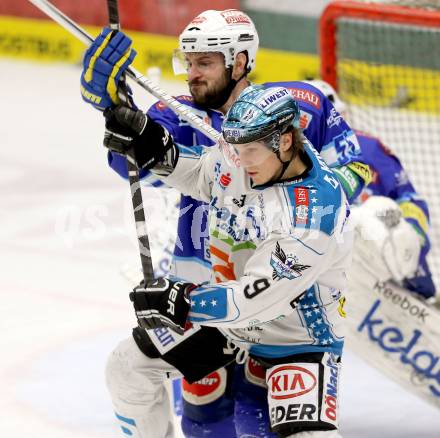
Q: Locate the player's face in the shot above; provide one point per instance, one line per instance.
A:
(207, 77)
(259, 162)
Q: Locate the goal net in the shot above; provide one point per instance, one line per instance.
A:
(383, 57)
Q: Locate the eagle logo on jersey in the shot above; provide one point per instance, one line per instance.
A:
(285, 266)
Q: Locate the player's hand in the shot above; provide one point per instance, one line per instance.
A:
(386, 243)
(129, 129)
(162, 303)
(103, 65)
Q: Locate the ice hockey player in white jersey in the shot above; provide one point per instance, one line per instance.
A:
(212, 83)
(391, 243)
(215, 415)
(279, 220)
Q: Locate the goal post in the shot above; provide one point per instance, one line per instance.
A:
(383, 58)
(371, 11)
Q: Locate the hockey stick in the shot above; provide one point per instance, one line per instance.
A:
(113, 14)
(179, 109)
(133, 178)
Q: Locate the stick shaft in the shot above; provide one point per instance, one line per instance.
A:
(139, 219)
(133, 178)
(113, 14)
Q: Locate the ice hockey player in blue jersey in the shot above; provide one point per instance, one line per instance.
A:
(192, 254)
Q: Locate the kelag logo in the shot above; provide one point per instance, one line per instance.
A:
(392, 340)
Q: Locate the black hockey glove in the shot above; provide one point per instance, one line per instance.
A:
(127, 128)
(162, 303)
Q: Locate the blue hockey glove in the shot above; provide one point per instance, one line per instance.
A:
(104, 63)
(128, 129)
(162, 303)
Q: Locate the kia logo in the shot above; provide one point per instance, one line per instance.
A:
(290, 381)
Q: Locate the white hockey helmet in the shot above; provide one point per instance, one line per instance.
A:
(229, 32)
(327, 90)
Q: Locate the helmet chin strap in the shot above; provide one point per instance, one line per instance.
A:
(284, 164)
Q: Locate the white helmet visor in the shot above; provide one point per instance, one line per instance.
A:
(180, 63)
(183, 60)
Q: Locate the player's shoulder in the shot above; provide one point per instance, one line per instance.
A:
(366, 137)
(304, 93)
(184, 99)
(182, 131)
(161, 110)
(316, 199)
(371, 145)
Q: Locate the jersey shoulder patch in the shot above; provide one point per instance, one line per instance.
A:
(314, 207)
(316, 200)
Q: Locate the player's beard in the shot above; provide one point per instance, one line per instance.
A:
(215, 96)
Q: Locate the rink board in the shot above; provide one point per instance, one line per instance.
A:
(46, 41)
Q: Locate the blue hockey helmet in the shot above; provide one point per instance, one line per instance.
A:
(261, 113)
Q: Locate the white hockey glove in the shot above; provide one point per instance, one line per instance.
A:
(385, 243)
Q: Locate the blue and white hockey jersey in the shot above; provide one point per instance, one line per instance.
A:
(322, 126)
(279, 254)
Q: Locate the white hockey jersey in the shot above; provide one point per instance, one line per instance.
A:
(279, 255)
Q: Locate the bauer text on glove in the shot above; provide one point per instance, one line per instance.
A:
(162, 303)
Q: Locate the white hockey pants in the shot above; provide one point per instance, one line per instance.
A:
(137, 388)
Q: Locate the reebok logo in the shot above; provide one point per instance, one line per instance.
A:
(387, 292)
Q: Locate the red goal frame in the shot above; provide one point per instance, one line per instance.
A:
(366, 11)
